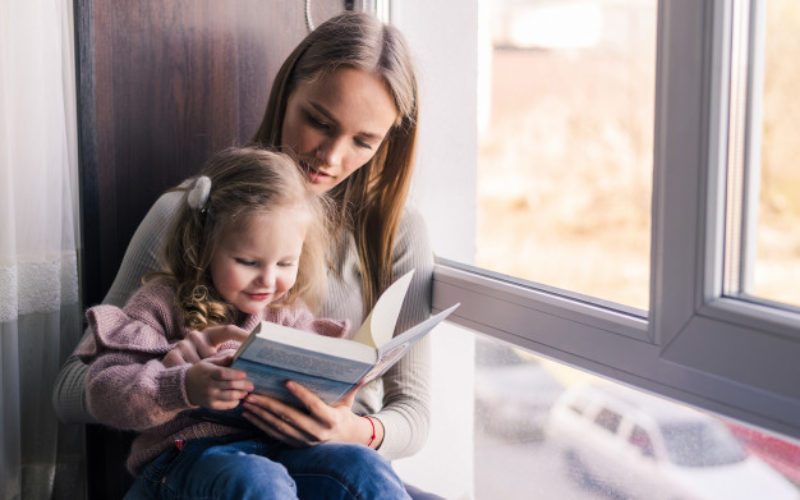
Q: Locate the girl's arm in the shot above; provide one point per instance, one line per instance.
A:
(141, 257)
(124, 394)
(128, 385)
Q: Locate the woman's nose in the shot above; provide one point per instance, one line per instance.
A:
(332, 151)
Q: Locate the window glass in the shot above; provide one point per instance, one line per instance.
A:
(565, 145)
(608, 420)
(777, 259)
(530, 443)
(641, 440)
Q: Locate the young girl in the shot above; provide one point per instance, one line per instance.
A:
(248, 244)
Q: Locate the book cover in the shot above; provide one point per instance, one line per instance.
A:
(329, 367)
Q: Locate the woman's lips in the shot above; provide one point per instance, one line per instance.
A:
(314, 174)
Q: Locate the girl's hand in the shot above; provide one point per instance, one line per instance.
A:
(200, 345)
(211, 384)
(322, 423)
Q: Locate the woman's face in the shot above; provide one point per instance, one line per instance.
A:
(336, 124)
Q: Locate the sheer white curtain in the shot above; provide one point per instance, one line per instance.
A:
(39, 306)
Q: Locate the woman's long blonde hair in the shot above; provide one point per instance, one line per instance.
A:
(371, 200)
(244, 182)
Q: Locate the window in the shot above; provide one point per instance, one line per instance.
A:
(636, 443)
(641, 440)
(762, 256)
(690, 339)
(608, 420)
(565, 148)
(694, 343)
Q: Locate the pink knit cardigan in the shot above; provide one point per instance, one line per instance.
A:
(128, 387)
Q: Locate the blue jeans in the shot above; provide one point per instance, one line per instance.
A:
(222, 468)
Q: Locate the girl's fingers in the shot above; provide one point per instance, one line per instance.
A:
(201, 344)
(223, 374)
(231, 395)
(218, 334)
(181, 353)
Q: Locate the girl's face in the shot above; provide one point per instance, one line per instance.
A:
(336, 124)
(256, 261)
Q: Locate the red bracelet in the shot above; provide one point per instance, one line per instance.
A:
(372, 438)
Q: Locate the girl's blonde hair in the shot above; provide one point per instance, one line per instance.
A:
(244, 182)
(371, 200)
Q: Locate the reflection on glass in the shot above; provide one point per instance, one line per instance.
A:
(700, 444)
(777, 269)
(543, 430)
(565, 153)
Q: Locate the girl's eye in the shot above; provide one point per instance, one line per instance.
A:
(246, 262)
(287, 263)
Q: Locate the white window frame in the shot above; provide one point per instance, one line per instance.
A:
(727, 355)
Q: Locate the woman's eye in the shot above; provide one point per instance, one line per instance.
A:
(363, 144)
(316, 122)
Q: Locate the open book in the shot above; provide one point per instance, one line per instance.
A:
(328, 366)
(331, 367)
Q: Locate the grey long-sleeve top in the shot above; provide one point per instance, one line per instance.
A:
(400, 399)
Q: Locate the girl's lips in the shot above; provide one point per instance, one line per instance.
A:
(258, 296)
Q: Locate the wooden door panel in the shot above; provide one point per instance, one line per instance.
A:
(161, 85)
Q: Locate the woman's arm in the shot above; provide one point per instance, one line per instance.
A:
(141, 257)
(405, 415)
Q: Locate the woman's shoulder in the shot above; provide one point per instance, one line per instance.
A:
(166, 204)
(411, 226)
(412, 248)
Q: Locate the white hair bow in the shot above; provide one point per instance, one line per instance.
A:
(198, 196)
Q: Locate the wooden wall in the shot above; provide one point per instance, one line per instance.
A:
(161, 85)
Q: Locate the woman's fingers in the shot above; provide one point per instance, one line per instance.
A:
(316, 407)
(349, 398)
(279, 426)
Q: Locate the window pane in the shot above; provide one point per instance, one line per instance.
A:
(565, 153)
(777, 263)
(543, 430)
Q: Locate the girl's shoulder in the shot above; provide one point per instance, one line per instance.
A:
(155, 302)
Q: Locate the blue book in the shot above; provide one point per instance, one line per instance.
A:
(330, 367)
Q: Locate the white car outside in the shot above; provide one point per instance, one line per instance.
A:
(638, 446)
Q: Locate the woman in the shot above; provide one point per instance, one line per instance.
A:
(344, 104)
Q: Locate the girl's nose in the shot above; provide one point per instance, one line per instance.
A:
(266, 277)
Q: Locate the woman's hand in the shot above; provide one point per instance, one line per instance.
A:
(211, 384)
(322, 423)
(200, 345)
